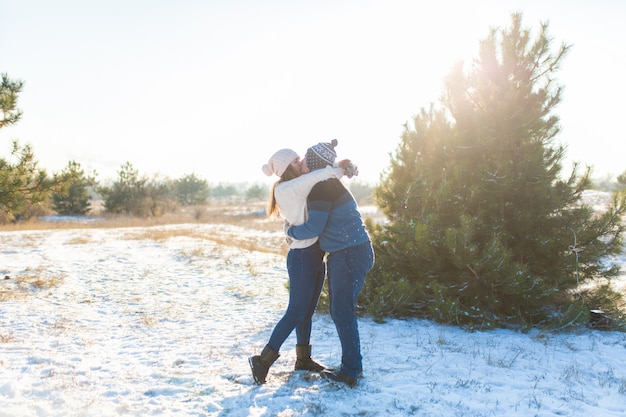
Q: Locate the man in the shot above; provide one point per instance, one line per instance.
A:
(333, 216)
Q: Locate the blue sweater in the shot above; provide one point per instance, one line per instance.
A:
(333, 216)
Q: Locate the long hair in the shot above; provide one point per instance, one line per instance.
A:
(290, 173)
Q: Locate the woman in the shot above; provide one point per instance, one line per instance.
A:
(305, 263)
(333, 216)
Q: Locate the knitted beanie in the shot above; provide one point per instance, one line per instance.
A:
(279, 162)
(321, 155)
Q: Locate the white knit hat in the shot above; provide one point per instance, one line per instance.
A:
(279, 162)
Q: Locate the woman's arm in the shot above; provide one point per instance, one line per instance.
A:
(302, 185)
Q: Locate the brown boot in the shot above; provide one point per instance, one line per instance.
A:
(304, 361)
(260, 364)
(339, 376)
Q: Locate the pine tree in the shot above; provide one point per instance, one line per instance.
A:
(72, 195)
(9, 93)
(128, 194)
(482, 230)
(136, 195)
(190, 190)
(621, 180)
(23, 185)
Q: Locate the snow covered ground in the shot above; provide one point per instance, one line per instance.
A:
(161, 320)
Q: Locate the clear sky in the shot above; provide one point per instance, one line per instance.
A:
(215, 87)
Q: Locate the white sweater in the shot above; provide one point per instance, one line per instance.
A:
(291, 199)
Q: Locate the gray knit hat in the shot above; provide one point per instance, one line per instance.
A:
(321, 155)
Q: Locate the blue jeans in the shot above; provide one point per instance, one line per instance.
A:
(346, 274)
(306, 276)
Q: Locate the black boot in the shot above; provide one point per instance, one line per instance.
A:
(260, 364)
(304, 361)
(339, 376)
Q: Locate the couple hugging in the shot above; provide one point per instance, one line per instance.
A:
(321, 221)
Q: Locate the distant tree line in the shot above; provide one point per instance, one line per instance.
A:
(29, 192)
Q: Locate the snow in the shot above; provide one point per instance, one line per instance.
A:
(160, 321)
